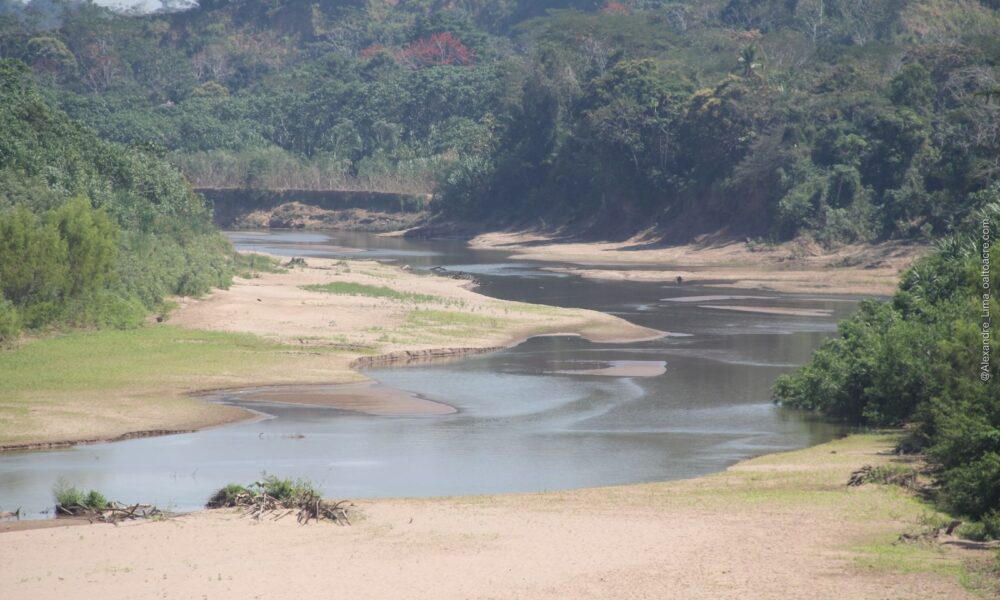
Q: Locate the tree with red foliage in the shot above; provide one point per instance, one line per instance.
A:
(372, 50)
(439, 49)
(611, 7)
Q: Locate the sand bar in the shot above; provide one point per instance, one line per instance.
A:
(366, 398)
(773, 310)
(795, 267)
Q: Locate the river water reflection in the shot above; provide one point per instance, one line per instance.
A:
(552, 413)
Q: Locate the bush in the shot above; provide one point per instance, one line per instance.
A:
(919, 360)
(227, 496)
(10, 320)
(973, 489)
(286, 490)
(71, 499)
(987, 528)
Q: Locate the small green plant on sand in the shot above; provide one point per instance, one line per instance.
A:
(70, 499)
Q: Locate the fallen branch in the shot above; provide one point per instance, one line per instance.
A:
(113, 512)
(262, 500)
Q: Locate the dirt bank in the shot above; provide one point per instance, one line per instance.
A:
(781, 526)
(795, 267)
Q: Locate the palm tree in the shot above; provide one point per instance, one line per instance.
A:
(748, 59)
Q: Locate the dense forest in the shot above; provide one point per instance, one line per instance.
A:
(92, 233)
(844, 120)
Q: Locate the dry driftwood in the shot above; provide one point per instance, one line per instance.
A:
(870, 474)
(113, 513)
(258, 505)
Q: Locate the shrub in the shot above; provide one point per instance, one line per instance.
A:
(71, 499)
(227, 496)
(10, 320)
(286, 490)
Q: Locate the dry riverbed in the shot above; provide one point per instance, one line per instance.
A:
(794, 267)
(265, 331)
(779, 526)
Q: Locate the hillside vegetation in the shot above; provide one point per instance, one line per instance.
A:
(91, 233)
(845, 120)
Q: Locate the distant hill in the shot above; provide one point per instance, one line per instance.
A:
(844, 120)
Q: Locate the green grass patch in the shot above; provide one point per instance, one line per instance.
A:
(344, 288)
(447, 318)
(887, 555)
(534, 309)
(106, 360)
(249, 265)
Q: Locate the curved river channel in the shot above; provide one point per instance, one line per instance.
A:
(549, 414)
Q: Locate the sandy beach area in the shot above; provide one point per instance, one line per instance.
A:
(781, 526)
(794, 267)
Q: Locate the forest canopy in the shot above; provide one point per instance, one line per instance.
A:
(844, 120)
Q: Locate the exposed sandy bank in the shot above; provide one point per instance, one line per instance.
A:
(773, 310)
(781, 526)
(367, 398)
(441, 312)
(796, 267)
(303, 337)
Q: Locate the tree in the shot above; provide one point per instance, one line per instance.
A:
(437, 50)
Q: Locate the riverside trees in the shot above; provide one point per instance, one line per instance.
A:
(91, 233)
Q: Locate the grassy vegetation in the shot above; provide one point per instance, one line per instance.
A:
(250, 265)
(814, 481)
(69, 497)
(345, 288)
(285, 491)
(452, 323)
(106, 360)
(105, 383)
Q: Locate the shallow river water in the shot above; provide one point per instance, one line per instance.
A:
(552, 413)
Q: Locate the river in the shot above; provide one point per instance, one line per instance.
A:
(552, 413)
